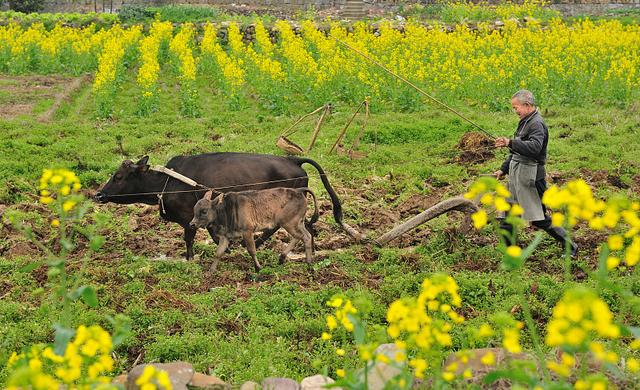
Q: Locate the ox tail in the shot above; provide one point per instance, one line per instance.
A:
(337, 206)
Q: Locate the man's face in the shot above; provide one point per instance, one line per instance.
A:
(521, 109)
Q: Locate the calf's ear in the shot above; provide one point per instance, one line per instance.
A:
(207, 195)
(218, 199)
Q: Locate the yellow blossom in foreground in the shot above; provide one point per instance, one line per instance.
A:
(514, 251)
(479, 219)
(633, 365)
(612, 262)
(153, 377)
(488, 359)
(579, 317)
(511, 340)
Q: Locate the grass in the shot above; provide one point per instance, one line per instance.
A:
(241, 326)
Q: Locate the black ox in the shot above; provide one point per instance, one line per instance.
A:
(136, 183)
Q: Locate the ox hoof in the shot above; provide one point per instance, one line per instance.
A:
(282, 259)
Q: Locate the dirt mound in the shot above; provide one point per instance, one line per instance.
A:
(602, 177)
(475, 148)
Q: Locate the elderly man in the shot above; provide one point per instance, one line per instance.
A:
(525, 167)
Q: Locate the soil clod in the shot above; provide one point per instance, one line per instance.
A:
(475, 147)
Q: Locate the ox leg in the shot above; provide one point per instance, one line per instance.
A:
(265, 236)
(189, 235)
(288, 249)
(251, 248)
(222, 247)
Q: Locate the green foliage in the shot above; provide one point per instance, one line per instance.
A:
(466, 11)
(26, 6)
(49, 20)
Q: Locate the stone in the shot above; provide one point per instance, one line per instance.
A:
(180, 374)
(316, 382)
(389, 350)
(380, 374)
(207, 382)
(120, 379)
(478, 369)
(279, 384)
(250, 386)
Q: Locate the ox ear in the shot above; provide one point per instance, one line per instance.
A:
(142, 165)
(143, 161)
(207, 195)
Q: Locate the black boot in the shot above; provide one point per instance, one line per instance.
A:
(560, 235)
(507, 232)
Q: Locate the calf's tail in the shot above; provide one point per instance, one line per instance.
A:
(316, 215)
(337, 206)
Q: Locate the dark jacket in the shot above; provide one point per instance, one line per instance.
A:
(530, 140)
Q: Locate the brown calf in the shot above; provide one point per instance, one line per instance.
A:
(241, 214)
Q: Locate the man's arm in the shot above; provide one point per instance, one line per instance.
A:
(532, 146)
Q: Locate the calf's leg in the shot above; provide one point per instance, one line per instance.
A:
(222, 247)
(308, 242)
(288, 249)
(251, 248)
(299, 232)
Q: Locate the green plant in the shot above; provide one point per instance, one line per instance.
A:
(26, 6)
(83, 360)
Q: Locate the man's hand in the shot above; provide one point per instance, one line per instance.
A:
(501, 142)
(498, 174)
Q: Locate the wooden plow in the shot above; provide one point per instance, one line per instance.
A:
(289, 146)
(337, 146)
(457, 203)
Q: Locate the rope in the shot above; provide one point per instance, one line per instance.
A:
(205, 188)
(416, 88)
(162, 193)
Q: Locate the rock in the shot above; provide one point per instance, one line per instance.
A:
(316, 382)
(207, 382)
(120, 380)
(250, 386)
(279, 384)
(473, 359)
(180, 374)
(380, 374)
(389, 350)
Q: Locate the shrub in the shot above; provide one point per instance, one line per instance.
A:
(26, 6)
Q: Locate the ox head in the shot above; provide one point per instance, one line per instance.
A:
(205, 210)
(126, 180)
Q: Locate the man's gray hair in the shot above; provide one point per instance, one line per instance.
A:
(524, 96)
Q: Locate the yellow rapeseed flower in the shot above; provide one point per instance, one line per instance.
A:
(488, 359)
(479, 219)
(514, 251)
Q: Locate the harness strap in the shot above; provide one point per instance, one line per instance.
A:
(175, 175)
(161, 194)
